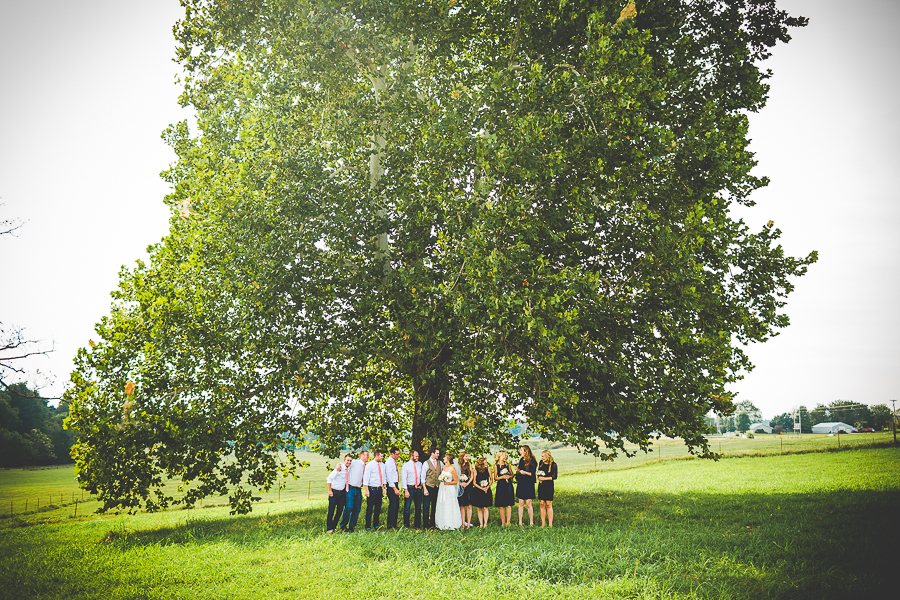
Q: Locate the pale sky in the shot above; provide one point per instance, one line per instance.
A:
(87, 87)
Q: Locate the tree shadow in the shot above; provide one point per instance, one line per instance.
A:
(822, 544)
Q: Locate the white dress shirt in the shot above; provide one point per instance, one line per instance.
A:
(410, 472)
(374, 475)
(338, 478)
(391, 477)
(356, 472)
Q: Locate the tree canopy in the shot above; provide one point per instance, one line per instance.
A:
(414, 222)
(842, 411)
(31, 432)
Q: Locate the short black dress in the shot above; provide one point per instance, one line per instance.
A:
(525, 483)
(466, 498)
(505, 495)
(481, 499)
(545, 488)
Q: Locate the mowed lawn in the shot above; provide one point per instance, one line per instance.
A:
(821, 525)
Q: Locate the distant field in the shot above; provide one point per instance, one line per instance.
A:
(793, 526)
(49, 494)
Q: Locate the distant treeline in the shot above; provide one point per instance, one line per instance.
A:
(31, 433)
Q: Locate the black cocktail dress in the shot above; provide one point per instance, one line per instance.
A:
(481, 499)
(545, 488)
(505, 495)
(525, 483)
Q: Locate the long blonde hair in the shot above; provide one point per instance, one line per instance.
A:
(549, 457)
(497, 458)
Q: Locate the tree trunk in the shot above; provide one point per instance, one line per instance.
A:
(431, 392)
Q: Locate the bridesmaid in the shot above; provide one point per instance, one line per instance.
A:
(505, 497)
(546, 473)
(525, 482)
(481, 490)
(465, 473)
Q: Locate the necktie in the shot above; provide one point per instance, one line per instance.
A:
(380, 480)
(347, 483)
(416, 471)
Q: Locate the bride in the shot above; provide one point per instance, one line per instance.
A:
(447, 512)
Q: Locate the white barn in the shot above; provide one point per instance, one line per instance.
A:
(833, 428)
(756, 427)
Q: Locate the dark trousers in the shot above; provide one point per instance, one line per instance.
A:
(430, 506)
(415, 497)
(393, 508)
(373, 506)
(352, 508)
(336, 503)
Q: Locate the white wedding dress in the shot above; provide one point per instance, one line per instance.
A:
(446, 514)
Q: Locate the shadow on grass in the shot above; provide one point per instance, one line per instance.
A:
(779, 545)
(823, 544)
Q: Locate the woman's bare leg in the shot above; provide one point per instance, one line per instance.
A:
(550, 512)
(530, 512)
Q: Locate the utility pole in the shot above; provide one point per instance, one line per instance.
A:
(894, 420)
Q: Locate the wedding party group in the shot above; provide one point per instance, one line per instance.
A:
(438, 493)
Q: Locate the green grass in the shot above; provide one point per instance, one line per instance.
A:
(48, 494)
(815, 525)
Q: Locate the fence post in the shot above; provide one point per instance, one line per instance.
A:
(75, 516)
(720, 447)
(309, 490)
(782, 444)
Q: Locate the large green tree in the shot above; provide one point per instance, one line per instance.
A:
(842, 411)
(785, 421)
(417, 221)
(31, 432)
(881, 417)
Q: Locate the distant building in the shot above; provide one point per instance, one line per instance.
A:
(833, 428)
(760, 428)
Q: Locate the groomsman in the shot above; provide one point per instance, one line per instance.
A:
(392, 477)
(431, 471)
(373, 487)
(338, 484)
(411, 482)
(354, 493)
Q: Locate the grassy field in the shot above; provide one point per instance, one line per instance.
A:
(816, 525)
(49, 494)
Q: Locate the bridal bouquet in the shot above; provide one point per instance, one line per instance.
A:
(445, 476)
(504, 471)
(463, 478)
(484, 483)
(541, 473)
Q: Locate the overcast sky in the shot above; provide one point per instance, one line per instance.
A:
(87, 87)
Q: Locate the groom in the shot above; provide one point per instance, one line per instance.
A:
(431, 471)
